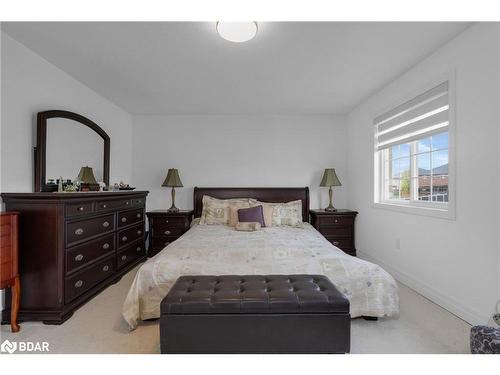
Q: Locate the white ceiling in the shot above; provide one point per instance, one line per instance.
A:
(186, 68)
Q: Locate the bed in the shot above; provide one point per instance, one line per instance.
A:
(221, 250)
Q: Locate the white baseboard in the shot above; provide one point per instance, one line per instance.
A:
(457, 308)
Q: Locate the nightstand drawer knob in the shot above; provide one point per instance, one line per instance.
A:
(80, 208)
(335, 243)
(104, 206)
(124, 257)
(124, 219)
(105, 268)
(124, 239)
(138, 216)
(336, 220)
(79, 284)
(139, 232)
(167, 232)
(127, 203)
(166, 221)
(138, 249)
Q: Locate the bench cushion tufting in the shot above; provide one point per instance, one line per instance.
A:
(273, 294)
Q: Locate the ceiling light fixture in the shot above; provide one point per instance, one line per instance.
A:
(237, 32)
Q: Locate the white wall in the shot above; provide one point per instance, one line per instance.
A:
(31, 84)
(453, 262)
(238, 151)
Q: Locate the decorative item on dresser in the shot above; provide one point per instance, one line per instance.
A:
(73, 246)
(165, 227)
(9, 273)
(337, 227)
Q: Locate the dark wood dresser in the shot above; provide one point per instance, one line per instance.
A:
(9, 272)
(337, 227)
(166, 227)
(72, 246)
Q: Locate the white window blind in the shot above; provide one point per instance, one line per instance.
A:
(419, 117)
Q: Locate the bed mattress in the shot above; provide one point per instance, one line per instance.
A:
(221, 250)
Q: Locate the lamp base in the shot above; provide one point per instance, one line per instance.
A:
(330, 209)
(173, 209)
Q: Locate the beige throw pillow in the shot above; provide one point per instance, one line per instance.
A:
(288, 214)
(233, 211)
(267, 209)
(247, 226)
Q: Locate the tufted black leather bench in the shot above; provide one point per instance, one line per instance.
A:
(255, 314)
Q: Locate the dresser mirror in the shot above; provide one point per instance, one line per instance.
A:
(66, 142)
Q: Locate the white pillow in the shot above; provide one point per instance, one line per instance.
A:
(288, 214)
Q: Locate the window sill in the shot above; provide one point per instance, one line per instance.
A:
(414, 209)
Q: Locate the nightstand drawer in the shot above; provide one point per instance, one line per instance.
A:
(167, 231)
(341, 243)
(334, 220)
(336, 231)
(158, 243)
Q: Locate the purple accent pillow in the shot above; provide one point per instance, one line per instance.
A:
(252, 215)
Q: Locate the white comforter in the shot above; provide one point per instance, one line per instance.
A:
(221, 250)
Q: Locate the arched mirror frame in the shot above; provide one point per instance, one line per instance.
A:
(41, 145)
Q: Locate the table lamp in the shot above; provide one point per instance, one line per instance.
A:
(87, 179)
(330, 179)
(172, 180)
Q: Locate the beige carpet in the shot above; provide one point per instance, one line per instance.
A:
(97, 327)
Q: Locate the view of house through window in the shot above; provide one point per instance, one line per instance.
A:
(417, 170)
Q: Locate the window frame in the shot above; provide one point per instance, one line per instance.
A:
(426, 208)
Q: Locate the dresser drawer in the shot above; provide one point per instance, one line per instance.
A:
(130, 217)
(126, 236)
(158, 243)
(79, 256)
(129, 254)
(336, 231)
(84, 280)
(334, 220)
(75, 209)
(83, 229)
(138, 201)
(112, 204)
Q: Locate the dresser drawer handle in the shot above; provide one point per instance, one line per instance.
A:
(166, 221)
(124, 239)
(138, 249)
(124, 219)
(139, 232)
(138, 216)
(79, 231)
(79, 257)
(124, 257)
(104, 206)
(336, 220)
(80, 208)
(127, 203)
(79, 284)
(105, 246)
(105, 224)
(335, 243)
(167, 232)
(105, 268)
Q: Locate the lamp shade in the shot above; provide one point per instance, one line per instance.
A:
(330, 178)
(86, 175)
(172, 179)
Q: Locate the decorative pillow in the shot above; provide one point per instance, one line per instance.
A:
(216, 211)
(233, 211)
(251, 215)
(267, 208)
(248, 226)
(288, 214)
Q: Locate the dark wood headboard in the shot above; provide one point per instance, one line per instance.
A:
(263, 194)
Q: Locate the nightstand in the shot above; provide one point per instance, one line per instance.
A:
(337, 227)
(166, 227)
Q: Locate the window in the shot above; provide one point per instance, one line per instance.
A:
(412, 150)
